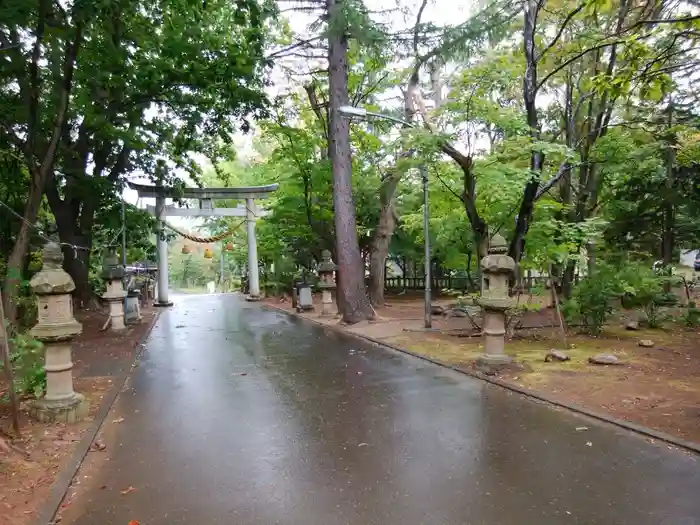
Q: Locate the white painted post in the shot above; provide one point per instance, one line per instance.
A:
(253, 277)
(162, 245)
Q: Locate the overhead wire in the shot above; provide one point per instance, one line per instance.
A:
(37, 228)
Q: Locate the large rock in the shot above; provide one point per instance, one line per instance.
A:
(436, 309)
(605, 359)
(646, 343)
(556, 355)
(632, 325)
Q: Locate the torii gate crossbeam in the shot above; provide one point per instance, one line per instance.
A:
(205, 196)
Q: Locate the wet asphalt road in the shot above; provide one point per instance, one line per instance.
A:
(239, 415)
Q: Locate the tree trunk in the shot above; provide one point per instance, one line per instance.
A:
(353, 301)
(75, 220)
(377, 271)
(15, 261)
(471, 285)
(77, 264)
(522, 225)
(379, 250)
(567, 281)
(669, 210)
(381, 240)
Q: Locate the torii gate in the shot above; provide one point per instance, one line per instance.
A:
(205, 196)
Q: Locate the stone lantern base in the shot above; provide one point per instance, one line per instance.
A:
(492, 364)
(327, 307)
(71, 410)
(494, 357)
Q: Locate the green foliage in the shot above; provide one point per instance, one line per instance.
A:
(645, 287)
(636, 283)
(691, 318)
(146, 102)
(27, 360)
(154, 85)
(592, 300)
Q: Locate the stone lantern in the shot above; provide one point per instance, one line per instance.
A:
(326, 274)
(113, 275)
(496, 269)
(55, 328)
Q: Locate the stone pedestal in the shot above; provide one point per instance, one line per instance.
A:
(113, 274)
(55, 328)
(305, 302)
(327, 306)
(132, 313)
(326, 274)
(496, 269)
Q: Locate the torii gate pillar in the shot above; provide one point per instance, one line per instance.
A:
(253, 270)
(205, 196)
(162, 248)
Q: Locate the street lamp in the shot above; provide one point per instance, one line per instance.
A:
(362, 113)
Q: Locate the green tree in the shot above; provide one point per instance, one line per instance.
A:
(140, 96)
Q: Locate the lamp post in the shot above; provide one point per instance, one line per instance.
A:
(363, 114)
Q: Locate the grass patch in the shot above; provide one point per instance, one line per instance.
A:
(531, 353)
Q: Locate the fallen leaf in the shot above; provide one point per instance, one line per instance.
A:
(134, 522)
(362, 445)
(99, 445)
(127, 490)
(589, 444)
(581, 429)
(119, 420)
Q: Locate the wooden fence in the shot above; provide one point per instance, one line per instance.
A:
(461, 284)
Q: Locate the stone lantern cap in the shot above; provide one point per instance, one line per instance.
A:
(327, 265)
(497, 261)
(53, 286)
(52, 279)
(498, 304)
(111, 269)
(325, 271)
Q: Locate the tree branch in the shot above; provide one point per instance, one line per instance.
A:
(62, 111)
(562, 27)
(417, 26)
(574, 59)
(563, 169)
(34, 81)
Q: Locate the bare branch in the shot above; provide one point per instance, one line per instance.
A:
(291, 47)
(416, 28)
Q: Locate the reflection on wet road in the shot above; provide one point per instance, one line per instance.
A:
(239, 415)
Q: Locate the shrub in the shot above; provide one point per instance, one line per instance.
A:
(637, 285)
(646, 287)
(591, 302)
(26, 358)
(692, 315)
